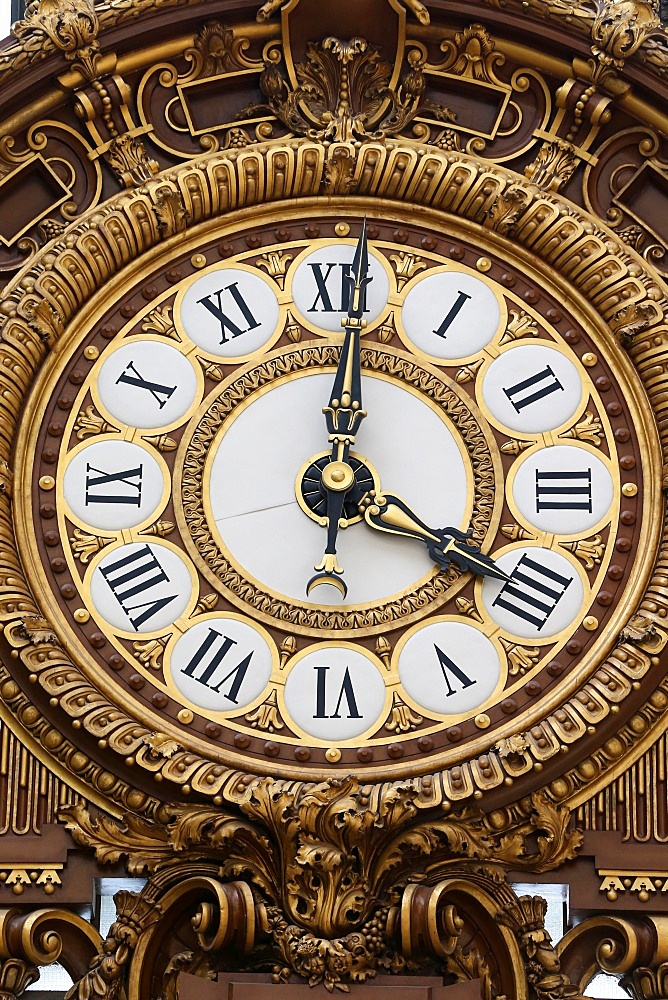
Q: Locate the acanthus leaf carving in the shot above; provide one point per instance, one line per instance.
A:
(343, 93)
(326, 878)
(71, 26)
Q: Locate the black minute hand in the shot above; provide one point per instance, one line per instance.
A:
(344, 416)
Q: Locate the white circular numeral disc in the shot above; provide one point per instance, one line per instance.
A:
(451, 315)
(113, 485)
(230, 312)
(147, 384)
(221, 664)
(564, 490)
(320, 289)
(335, 693)
(532, 388)
(141, 587)
(543, 596)
(449, 667)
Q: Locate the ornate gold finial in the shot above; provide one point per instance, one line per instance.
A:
(620, 28)
(71, 25)
(343, 93)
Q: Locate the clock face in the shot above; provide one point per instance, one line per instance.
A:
(173, 454)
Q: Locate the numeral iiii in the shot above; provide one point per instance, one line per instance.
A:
(135, 575)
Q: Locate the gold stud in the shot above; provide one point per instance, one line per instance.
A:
(47, 482)
(628, 489)
(590, 623)
(198, 260)
(185, 716)
(341, 228)
(332, 754)
(483, 264)
(589, 359)
(81, 616)
(482, 721)
(91, 353)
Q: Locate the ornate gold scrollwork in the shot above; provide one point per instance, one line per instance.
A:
(634, 947)
(31, 940)
(323, 867)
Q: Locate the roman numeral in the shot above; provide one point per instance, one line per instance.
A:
(346, 691)
(531, 389)
(533, 592)
(226, 322)
(449, 666)
(97, 479)
(135, 575)
(215, 656)
(452, 315)
(324, 294)
(131, 376)
(563, 491)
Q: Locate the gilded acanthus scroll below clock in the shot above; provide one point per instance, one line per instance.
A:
(176, 458)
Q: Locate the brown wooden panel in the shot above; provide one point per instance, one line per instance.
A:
(258, 987)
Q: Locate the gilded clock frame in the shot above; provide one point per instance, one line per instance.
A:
(615, 292)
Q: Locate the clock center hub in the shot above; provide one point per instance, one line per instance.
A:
(338, 476)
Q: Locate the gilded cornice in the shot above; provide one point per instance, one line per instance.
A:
(617, 29)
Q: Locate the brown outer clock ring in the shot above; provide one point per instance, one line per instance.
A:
(646, 635)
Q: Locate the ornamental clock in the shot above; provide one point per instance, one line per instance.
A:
(333, 490)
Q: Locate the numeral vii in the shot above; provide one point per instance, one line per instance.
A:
(211, 653)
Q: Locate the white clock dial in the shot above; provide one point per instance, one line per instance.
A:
(221, 664)
(532, 388)
(448, 667)
(141, 587)
(543, 596)
(450, 314)
(112, 484)
(147, 384)
(320, 289)
(335, 693)
(229, 312)
(252, 497)
(564, 490)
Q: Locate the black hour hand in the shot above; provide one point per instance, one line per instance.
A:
(390, 513)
